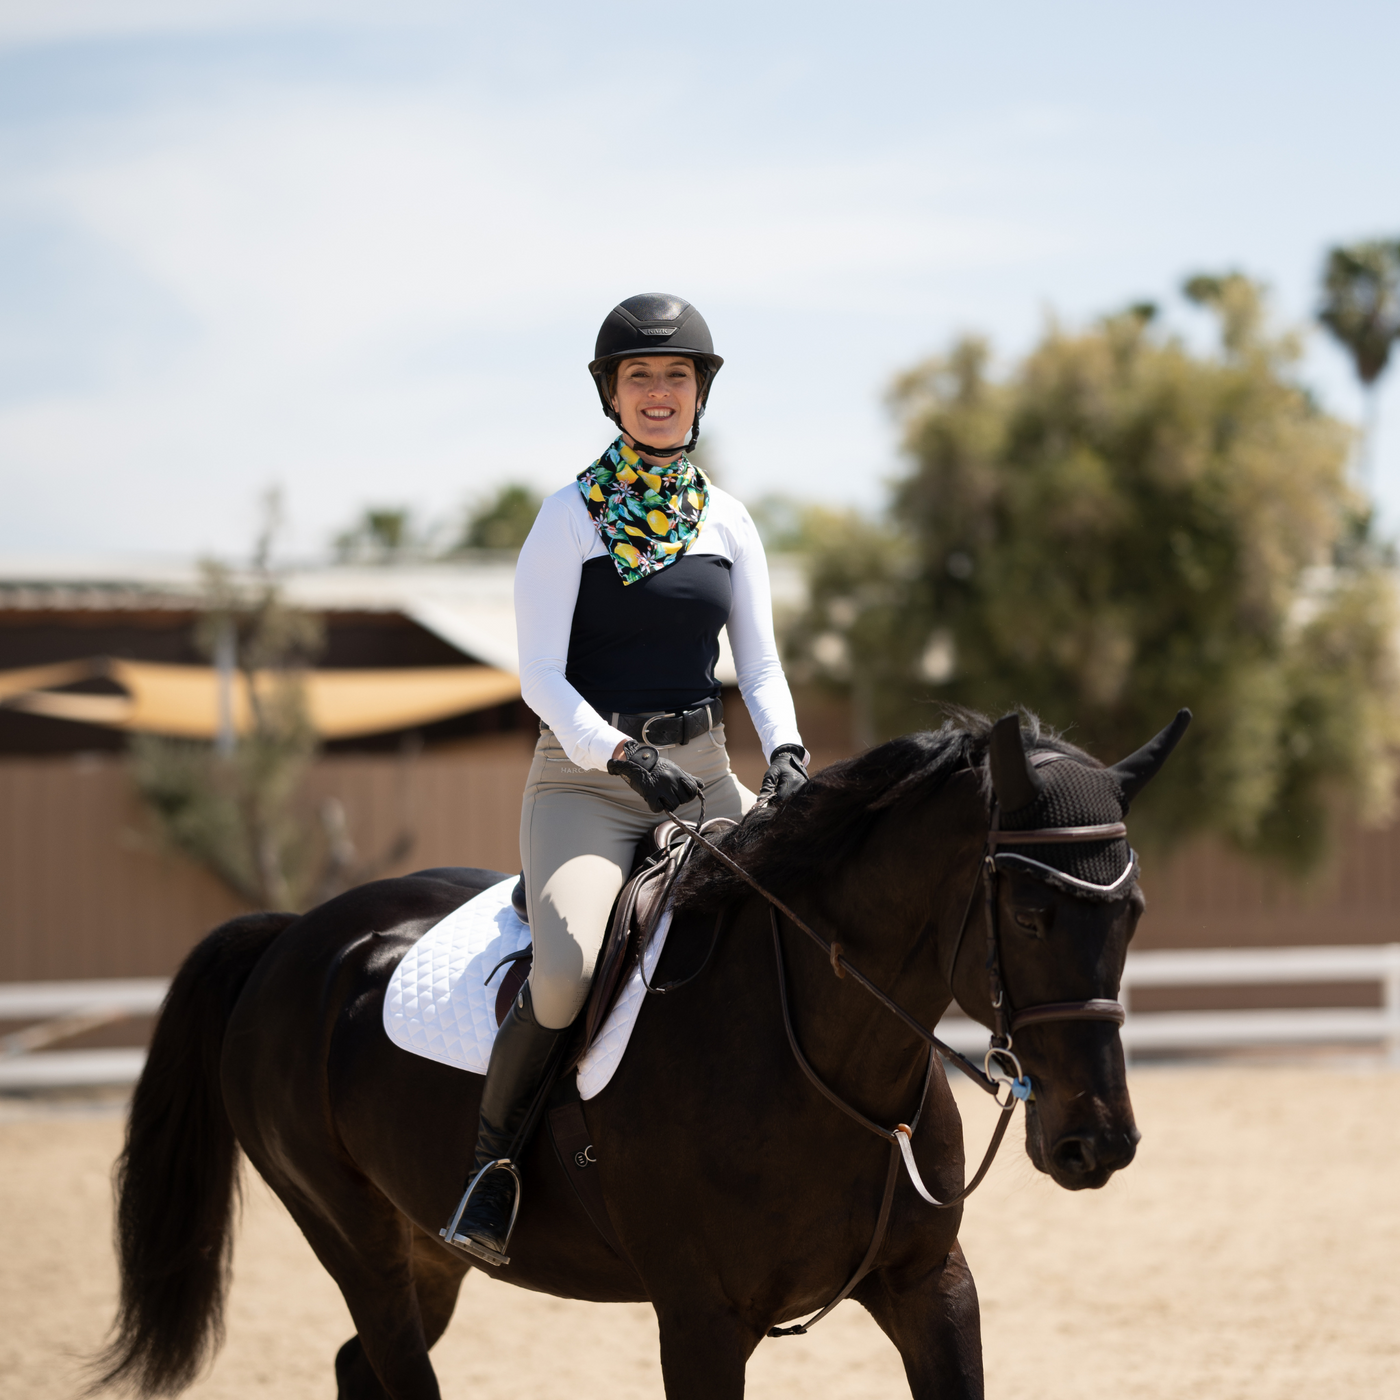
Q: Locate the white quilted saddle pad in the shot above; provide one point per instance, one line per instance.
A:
(437, 1004)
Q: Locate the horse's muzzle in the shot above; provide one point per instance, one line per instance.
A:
(1082, 1157)
(1083, 1160)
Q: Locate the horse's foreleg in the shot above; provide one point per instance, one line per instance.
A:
(932, 1318)
(703, 1352)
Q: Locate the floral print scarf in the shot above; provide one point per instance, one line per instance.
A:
(647, 517)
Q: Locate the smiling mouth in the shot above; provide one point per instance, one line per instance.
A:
(658, 415)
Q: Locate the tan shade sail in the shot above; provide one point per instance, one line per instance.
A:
(40, 677)
(184, 701)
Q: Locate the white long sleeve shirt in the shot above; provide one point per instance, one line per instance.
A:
(547, 584)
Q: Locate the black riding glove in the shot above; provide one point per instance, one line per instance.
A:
(658, 781)
(786, 774)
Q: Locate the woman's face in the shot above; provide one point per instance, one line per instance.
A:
(655, 398)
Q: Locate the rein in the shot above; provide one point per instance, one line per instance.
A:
(999, 1060)
(839, 965)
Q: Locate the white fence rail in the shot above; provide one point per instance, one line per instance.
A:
(133, 996)
(64, 1009)
(1147, 1031)
(61, 1010)
(1220, 967)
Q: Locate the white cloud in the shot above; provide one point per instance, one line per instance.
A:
(385, 287)
(343, 266)
(27, 22)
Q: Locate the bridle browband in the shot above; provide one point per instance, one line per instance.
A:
(1006, 1021)
(1057, 835)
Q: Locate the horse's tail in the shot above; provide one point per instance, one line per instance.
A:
(177, 1177)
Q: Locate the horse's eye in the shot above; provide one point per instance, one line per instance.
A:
(1029, 919)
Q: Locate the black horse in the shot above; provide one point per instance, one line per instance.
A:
(740, 1196)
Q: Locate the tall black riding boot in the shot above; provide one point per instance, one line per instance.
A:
(520, 1060)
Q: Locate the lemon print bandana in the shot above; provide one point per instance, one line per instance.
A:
(647, 517)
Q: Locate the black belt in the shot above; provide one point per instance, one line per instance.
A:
(666, 727)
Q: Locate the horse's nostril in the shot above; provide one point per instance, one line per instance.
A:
(1074, 1156)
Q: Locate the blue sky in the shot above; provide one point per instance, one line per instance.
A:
(362, 250)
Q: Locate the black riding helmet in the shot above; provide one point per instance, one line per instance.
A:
(656, 323)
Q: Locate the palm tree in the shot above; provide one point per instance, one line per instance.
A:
(1361, 307)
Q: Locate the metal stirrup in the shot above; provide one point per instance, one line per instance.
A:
(449, 1232)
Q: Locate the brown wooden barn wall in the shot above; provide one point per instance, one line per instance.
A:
(85, 891)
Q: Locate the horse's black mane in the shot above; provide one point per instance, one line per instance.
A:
(785, 848)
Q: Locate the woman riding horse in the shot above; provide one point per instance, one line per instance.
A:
(738, 1153)
(621, 591)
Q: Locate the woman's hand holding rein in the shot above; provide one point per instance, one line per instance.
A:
(656, 780)
(787, 774)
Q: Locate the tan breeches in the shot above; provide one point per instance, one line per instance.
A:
(579, 829)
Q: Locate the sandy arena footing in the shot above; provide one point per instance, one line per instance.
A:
(1250, 1253)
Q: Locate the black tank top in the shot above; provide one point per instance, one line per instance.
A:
(653, 644)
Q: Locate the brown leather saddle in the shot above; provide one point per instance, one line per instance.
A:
(657, 863)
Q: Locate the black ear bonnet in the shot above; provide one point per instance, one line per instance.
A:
(1073, 795)
(1046, 789)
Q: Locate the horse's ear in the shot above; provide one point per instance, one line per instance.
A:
(1138, 769)
(1014, 781)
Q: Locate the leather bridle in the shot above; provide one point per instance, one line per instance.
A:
(1007, 1021)
(1000, 1065)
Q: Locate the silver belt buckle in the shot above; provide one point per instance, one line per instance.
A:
(682, 716)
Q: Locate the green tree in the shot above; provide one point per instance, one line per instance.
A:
(1361, 307)
(1116, 528)
(382, 535)
(503, 521)
(791, 525)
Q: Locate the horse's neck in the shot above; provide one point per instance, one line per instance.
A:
(896, 912)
